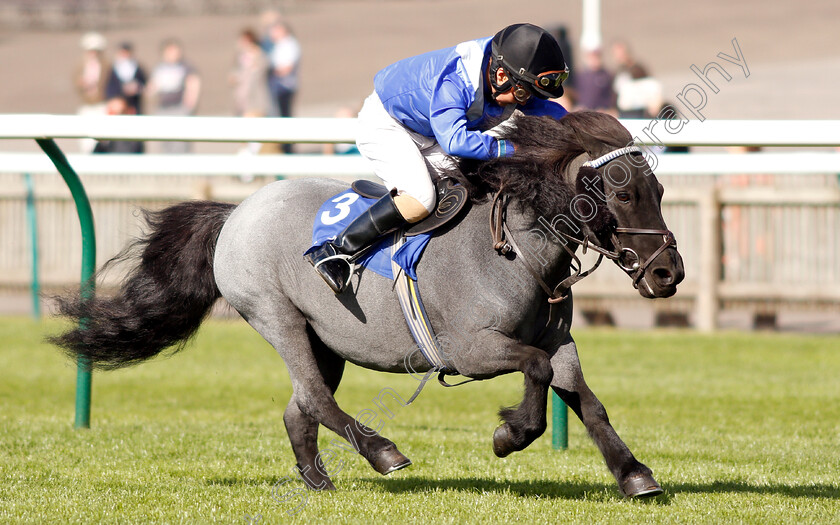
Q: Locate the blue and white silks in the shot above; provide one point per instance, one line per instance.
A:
(441, 94)
(336, 213)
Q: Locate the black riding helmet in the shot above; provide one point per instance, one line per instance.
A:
(531, 58)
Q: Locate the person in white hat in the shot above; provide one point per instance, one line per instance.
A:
(89, 79)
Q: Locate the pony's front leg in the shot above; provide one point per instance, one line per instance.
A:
(496, 354)
(634, 478)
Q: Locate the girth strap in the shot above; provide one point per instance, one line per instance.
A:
(419, 325)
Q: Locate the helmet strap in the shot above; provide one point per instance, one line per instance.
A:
(498, 89)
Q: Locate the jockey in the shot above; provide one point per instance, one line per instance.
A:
(427, 108)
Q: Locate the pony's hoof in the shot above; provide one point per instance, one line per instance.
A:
(326, 484)
(503, 441)
(390, 460)
(641, 486)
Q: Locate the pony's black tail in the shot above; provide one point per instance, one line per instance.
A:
(162, 300)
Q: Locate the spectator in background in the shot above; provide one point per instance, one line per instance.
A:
(127, 79)
(119, 106)
(283, 81)
(268, 18)
(176, 87)
(626, 63)
(90, 78)
(593, 84)
(638, 95)
(250, 77)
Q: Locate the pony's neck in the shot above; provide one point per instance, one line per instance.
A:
(544, 246)
(539, 243)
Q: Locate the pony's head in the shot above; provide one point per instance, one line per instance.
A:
(583, 176)
(618, 201)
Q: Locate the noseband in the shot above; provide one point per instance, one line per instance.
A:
(625, 258)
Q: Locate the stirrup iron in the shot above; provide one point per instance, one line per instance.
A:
(347, 259)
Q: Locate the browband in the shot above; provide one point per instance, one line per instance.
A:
(603, 159)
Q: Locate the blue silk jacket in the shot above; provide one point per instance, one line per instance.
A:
(441, 94)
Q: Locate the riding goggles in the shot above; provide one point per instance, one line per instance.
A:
(544, 85)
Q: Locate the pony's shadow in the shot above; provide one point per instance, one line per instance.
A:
(537, 489)
(587, 491)
(816, 491)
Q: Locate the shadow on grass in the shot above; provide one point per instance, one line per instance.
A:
(579, 490)
(233, 482)
(598, 491)
(542, 489)
(817, 491)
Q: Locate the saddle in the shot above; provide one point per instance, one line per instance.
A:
(451, 199)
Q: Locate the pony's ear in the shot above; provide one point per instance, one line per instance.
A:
(590, 183)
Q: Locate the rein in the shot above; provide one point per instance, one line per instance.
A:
(504, 243)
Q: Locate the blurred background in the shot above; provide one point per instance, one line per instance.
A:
(792, 48)
(206, 57)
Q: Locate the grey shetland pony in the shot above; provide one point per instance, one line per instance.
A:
(251, 254)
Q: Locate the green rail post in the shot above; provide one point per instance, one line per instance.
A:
(32, 226)
(559, 423)
(77, 190)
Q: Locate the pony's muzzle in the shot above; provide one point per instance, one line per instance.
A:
(666, 272)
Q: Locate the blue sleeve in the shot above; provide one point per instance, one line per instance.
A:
(448, 119)
(541, 107)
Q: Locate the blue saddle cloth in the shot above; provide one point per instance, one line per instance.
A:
(337, 212)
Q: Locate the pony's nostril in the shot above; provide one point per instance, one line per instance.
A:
(663, 276)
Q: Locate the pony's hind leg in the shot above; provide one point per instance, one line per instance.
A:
(303, 429)
(288, 332)
(303, 434)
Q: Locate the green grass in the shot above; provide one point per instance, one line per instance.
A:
(738, 428)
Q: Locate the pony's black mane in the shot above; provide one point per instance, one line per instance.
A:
(545, 147)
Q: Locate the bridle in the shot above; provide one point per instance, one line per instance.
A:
(504, 243)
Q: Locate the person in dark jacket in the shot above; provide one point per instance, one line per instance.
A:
(127, 78)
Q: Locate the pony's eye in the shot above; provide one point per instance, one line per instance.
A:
(623, 196)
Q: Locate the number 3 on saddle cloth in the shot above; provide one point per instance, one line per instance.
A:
(396, 256)
(337, 212)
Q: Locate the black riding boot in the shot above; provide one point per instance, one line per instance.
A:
(331, 259)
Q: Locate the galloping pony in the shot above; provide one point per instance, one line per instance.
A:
(502, 294)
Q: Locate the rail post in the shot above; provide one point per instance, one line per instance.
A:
(32, 226)
(77, 190)
(708, 300)
(559, 423)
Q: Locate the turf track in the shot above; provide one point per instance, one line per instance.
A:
(738, 428)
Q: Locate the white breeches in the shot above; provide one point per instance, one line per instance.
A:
(403, 159)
